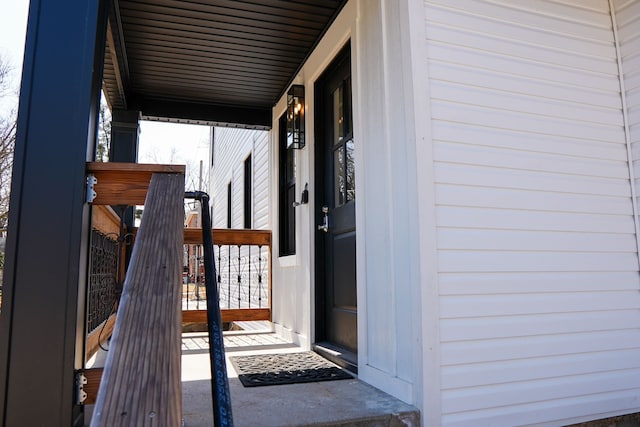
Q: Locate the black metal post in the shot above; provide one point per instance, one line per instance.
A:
(125, 130)
(42, 327)
(222, 415)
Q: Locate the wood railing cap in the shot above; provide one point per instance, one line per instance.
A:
(125, 183)
(134, 167)
(226, 236)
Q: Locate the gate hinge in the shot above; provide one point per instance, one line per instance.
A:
(81, 381)
(91, 192)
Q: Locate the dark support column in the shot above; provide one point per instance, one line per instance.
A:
(125, 129)
(42, 323)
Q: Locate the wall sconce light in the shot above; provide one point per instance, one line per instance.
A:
(295, 117)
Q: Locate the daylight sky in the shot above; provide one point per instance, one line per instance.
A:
(13, 24)
(159, 142)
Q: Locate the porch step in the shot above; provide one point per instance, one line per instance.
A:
(339, 403)
(331, 403)
(405, 419)
(328, 403)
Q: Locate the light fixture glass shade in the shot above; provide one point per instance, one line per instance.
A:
(295, 117)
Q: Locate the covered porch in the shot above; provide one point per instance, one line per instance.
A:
(222, 63)
(344, 402)
(330, 403)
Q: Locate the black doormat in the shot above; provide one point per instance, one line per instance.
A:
(285, 368)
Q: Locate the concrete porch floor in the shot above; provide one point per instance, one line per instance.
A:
(328, 403)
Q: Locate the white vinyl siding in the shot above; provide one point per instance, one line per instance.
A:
(261, 181)
(628, 19)
(537, 263)
(231, 148)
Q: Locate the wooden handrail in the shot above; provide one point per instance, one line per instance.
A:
(225, 236)
(141, 380)
(125, 183)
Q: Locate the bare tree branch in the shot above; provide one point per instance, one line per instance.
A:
(104, 133)
(7, 142)
(5, 69)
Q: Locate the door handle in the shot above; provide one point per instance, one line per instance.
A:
(325, 220)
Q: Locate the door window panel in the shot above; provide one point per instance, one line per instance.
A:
(343, 157)
(338, 115)
(348, 113)
(350, 173)
(339, 178)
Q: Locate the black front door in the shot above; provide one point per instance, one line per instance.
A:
(336, 320)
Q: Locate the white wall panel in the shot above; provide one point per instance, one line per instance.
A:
(514, 219)
(547, 412)
(517, 348)
(261, 177)
(523, 141)
(231, 148)
(495, 262)
(470, 283)
(627, 14)
(520, 66)
(537, 257)
(520, 240)
(481, 306)
(541, 390)
(504, 173)
(534, 122)
(494, 79)
(506, 198)
(456, 329)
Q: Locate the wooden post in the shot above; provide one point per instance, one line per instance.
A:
(141, 384)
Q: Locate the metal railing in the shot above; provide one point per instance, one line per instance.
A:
(103, 275)
(221, 397)
(243, 278)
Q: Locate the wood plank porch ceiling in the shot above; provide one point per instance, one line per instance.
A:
(194, 60)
